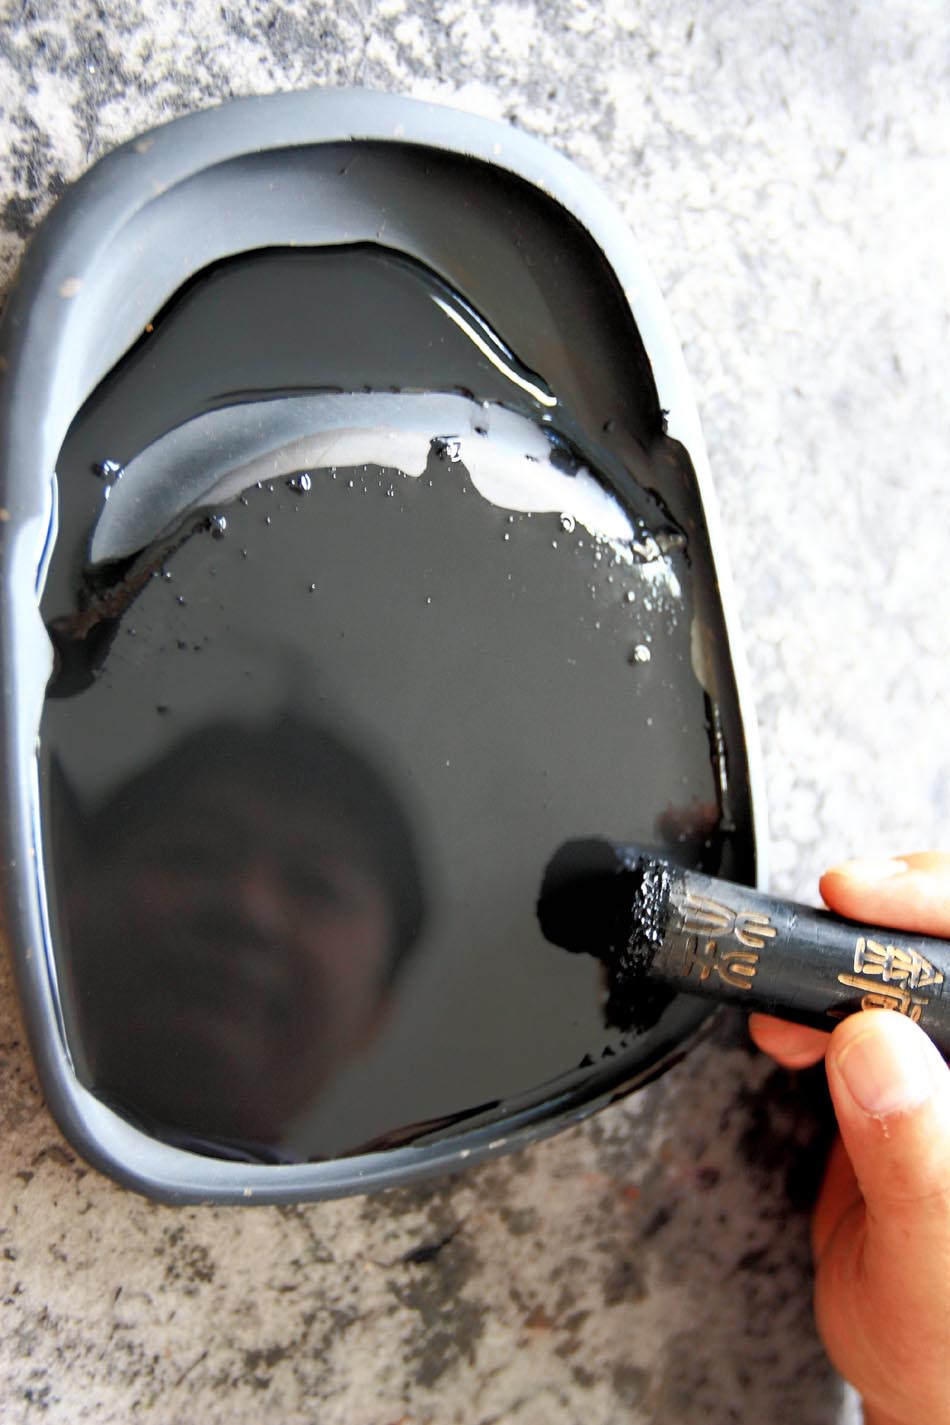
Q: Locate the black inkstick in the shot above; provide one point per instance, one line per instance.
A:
(659, 929)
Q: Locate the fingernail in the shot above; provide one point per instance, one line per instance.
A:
(871, 870)
(886, 1067)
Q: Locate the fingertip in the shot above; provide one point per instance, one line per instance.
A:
(794, 1046)
(905, 893)
(891, 1093)
(883, 1061)
(855, 884)
(868, 870)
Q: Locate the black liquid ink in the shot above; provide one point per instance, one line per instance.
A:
(317, 725)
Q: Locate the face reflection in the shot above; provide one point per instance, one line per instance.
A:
(231, 950)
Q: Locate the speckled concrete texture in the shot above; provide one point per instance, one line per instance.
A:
(785, 169)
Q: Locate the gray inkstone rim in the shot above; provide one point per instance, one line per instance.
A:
(112, 245)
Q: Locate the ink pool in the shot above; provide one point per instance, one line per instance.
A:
(359, 613)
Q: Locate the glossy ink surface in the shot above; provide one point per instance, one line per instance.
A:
(357, 619)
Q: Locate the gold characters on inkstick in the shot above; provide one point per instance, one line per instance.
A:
(717, 939)
(891, 977)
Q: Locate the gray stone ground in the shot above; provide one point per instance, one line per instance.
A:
(785, 168)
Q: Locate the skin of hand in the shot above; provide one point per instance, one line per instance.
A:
(881, 1227)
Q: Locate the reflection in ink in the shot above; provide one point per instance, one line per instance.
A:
(241, 909)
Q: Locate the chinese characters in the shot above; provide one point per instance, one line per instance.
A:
(721, 941)
(891, 977)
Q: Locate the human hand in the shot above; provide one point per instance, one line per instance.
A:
(881, 1227)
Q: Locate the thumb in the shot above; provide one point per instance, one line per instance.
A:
(891, 1091)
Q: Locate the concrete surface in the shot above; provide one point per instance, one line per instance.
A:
(785, 168)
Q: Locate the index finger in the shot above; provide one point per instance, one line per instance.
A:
(907, 893)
